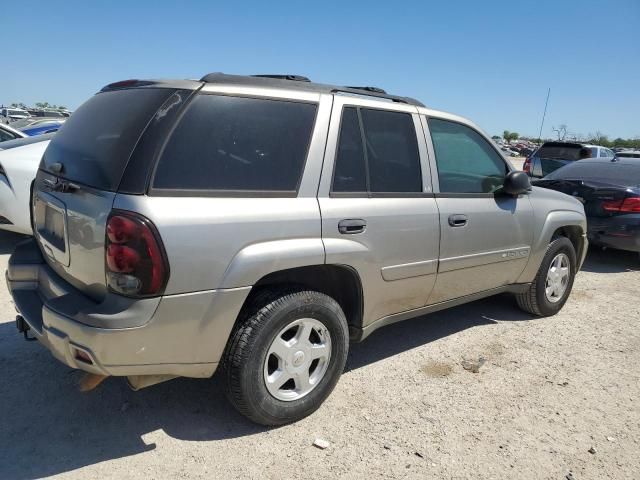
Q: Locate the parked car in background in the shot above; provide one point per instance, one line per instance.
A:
(258, 224)
(553, 155)
(32, 121)
(48, 113)
(49, 126)
(610, 192)
(8, 114)
(628, 154)
(9, 133)
(19, 161)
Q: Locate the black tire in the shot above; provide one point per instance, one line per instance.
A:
(534, 300)
(246, 352)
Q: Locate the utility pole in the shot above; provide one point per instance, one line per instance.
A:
(544, 115)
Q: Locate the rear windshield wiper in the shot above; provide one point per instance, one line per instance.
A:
(60, 185)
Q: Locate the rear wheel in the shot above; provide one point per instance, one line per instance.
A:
(286, 356)
(553, 283)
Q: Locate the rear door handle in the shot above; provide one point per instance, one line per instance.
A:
(457, 220)
(349, 226)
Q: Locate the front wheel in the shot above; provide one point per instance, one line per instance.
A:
(286, 357)
(553, 283)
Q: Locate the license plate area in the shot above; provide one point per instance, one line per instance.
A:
(50, 218)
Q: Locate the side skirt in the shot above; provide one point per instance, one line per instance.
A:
(359, 334)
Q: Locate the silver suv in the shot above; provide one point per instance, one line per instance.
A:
(258, 224)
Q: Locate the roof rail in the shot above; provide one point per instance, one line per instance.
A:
(378, 93)
(295, 78)
(370, 89)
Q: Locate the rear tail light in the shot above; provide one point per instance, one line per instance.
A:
(135, 261)
(628, 205)
(526, 167)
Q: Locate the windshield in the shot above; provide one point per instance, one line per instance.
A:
(17, 113)
(628, 154)
(95, 143)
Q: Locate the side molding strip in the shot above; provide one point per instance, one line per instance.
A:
(408, 270)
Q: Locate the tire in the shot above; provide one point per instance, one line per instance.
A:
(249, 362)
(536, 300)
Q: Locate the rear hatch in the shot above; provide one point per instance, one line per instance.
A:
(554, 155)
(78, 179)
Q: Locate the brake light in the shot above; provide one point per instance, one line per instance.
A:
(526, 167)
(628, 205)
(135, 261)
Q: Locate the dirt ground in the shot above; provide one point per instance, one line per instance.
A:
(550, 390)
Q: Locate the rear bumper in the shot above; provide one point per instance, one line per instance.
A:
(181, 334)
(621, 232)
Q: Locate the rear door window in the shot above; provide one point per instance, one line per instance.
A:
(350, 173)
(226, 143)
(377, 153)
(95, 143)
(392, 151)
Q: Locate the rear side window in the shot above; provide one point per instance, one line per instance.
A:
(466, 162)
(95, 143)
(377, 153)
(226, 143)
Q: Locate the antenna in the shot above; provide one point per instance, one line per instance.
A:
(544, 115)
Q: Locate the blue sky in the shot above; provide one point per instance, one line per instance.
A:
(491, 61)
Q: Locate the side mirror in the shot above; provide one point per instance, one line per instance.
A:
(516, 183)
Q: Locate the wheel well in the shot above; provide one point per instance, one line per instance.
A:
(340, 282)
(574, 234)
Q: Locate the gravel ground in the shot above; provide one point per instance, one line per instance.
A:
(550, 390)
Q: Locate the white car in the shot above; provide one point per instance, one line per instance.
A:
(628, 154)
(9, 133)
(8, 114)
(19, 160)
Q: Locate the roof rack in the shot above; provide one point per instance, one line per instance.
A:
(370, 89)
(377, 93)
(295, 78)
(299, 82)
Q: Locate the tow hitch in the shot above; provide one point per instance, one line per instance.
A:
(23, 327)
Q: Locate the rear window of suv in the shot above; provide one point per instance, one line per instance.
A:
(230, 144)
(559, 152)
(95, 143)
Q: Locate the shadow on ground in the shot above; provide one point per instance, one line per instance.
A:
(611, 261)
(47, 427)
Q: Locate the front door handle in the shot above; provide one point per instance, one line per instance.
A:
(349, 226)
(457, 220)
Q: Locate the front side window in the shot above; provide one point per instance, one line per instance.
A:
(377, 153)
(226, 143)
(466, 162)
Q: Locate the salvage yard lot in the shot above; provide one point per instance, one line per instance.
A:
(549, 391)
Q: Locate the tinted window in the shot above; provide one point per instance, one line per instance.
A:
(6, 135)
(559, 152)
(466, 162)
(628, 155)
(94, 144)
(392, 151)
(350, 171)
(236, 143)
(608, 172)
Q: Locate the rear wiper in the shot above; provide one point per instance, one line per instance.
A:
(61, 186)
